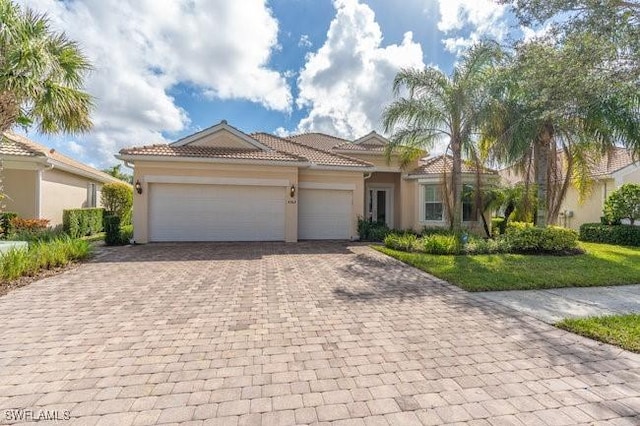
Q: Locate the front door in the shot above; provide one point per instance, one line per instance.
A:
(379, 205)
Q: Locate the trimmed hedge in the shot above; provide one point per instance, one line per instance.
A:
(5, 222)
(623, 235)
(523, 238)
(115, 235)
(82, 222)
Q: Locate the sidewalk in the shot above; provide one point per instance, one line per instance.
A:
(554, 305)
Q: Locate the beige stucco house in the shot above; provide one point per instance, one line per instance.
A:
(607, 174)
(40, 183)
(221, 184)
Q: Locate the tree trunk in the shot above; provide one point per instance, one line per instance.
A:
(9, 111)
(542, 149)
(456, 185)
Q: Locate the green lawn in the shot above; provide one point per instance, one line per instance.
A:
(602, 264)
(619, 330)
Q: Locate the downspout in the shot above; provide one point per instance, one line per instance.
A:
(38, 195)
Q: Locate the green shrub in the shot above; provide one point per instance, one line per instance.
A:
(5, 222)
(372, 231)
(550, 240)
(117, 199)
(623, 235)
(486, 246)
(623, 203)
(82, 222)
(517, 226)
(432, 230)
(498, 225)
(115, 234)
(404, 241)
(42, 255)
(441, 244)
(47, 234)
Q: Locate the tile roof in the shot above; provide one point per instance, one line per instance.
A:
(608, 164)
(360, 147)
(618, 159)
(164, 150)
(440, 164)
(318, 140)
(18, 145)
(312, 154)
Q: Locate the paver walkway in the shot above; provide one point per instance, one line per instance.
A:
(556, 304)
(271, 333)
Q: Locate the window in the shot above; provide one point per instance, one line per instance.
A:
(433, 207)
(91, 195)
(468, 208)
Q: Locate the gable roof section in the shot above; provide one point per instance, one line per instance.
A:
(315, 156)
(20, 146)
(318, 140)
(438, 165)
(223, 126)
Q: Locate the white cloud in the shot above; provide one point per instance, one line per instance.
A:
(304, 41)
(347, 82)
(142, 49)
(471, 21)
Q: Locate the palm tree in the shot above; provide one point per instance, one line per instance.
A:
(431, 106)
(41, 75)
(550, 107)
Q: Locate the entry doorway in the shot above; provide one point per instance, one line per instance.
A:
(380, 205)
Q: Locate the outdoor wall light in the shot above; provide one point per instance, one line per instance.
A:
(138, 187)
(292, 191)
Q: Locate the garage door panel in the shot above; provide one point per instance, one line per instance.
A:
(189, 212)
(324, 214)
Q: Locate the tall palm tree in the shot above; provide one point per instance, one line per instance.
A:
(41, 75)
(550, 107)
(431, 106)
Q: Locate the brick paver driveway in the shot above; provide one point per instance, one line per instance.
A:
(283, 334)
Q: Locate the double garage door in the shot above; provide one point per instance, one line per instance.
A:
(199, 212)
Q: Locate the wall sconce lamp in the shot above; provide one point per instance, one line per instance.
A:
(292, 191)
(138, 187)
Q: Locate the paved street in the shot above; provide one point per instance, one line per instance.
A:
(274, 333)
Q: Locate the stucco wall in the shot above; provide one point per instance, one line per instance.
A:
(209, 171)
(61, 190)
(20, 187)
(588, 211)
(145, 171)
(632, 177)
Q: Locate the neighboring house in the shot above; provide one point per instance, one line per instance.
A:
(40, 182)
(221, 184)
(608, 174)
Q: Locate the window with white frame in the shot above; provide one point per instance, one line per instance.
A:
(432, 200)
(91, 195)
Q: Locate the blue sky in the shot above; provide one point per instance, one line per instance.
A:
(167, 68)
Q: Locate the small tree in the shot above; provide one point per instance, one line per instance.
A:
(623, 203)
(117, 198)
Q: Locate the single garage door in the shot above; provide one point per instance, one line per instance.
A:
(188, 212)
(324, 214)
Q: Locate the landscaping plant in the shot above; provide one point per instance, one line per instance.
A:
(623, 203)
(117, 199)
(42, 255)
